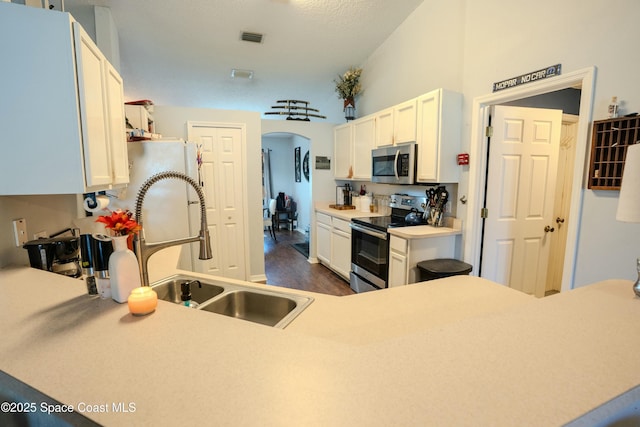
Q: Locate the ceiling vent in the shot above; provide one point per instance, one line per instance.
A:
(251, 37)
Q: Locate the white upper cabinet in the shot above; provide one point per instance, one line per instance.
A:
(353, 143)
(364, 136)
(91, 95)
(384, 128)
(396, 125)
(438, 136)
(61, 112)
(433, 121)
(116, 125)
(404, 122)
(342, 151)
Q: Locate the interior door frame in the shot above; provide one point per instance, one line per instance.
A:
(585, 78)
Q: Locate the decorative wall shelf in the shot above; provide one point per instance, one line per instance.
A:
(609, 144)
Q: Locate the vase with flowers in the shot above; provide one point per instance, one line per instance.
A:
(347, 87)
(124, 274)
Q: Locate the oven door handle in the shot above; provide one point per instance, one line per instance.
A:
(373, 233)
(395, 164)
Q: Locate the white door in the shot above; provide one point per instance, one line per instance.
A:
(523, 157)
(221, 174)
(562, 203)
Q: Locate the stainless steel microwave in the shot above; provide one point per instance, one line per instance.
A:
(394, 165)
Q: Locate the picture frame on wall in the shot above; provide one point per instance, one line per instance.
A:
(297, 165)
(323, 162)
(305, 166)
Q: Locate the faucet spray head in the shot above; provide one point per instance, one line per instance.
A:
(205, 245)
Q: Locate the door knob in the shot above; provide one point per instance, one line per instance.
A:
(559, 220)
(548, 229)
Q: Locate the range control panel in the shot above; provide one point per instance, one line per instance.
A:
(404, 201)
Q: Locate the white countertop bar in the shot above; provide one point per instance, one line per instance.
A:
(457, 351)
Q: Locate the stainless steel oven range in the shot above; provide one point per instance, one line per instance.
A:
(370, 241)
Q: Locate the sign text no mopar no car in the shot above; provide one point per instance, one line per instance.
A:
(533, 76)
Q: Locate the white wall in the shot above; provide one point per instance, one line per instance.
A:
(577, 34)
(172, 122)
(497, 39)
(424, 53)
(282, 174)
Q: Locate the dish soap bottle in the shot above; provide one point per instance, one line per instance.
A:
(186, 294)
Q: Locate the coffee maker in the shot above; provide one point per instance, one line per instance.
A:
(56, 254)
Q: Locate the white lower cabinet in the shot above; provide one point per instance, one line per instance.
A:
(61, 108)
(405, 254)
(341, 247)
(333, 243)
(323, 237)
(397, 262)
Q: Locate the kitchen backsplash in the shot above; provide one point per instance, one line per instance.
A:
(412, 190)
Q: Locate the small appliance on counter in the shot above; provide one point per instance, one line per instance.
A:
(56, 254)
(86, 257)
(102, 248)
(343, 198)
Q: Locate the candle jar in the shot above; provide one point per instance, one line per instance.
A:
(142, 301)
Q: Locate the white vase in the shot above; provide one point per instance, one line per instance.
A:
(123, 270)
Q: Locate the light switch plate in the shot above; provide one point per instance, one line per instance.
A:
(20, 231)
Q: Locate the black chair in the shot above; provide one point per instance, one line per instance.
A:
(285, 212)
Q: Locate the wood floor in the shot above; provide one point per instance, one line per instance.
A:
(286, 267)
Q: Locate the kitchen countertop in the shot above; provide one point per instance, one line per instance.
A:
(456, 351)
(425, 231)
(345, 214)
(414, 232)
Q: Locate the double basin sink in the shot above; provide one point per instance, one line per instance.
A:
(266, 307)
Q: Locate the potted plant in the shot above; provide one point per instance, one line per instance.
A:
(347, 87)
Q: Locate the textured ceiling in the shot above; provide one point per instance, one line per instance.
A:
(181, 52)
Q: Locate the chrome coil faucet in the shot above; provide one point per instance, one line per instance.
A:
(144, 250)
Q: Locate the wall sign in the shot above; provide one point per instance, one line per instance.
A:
(323, 162)
(553, 70)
